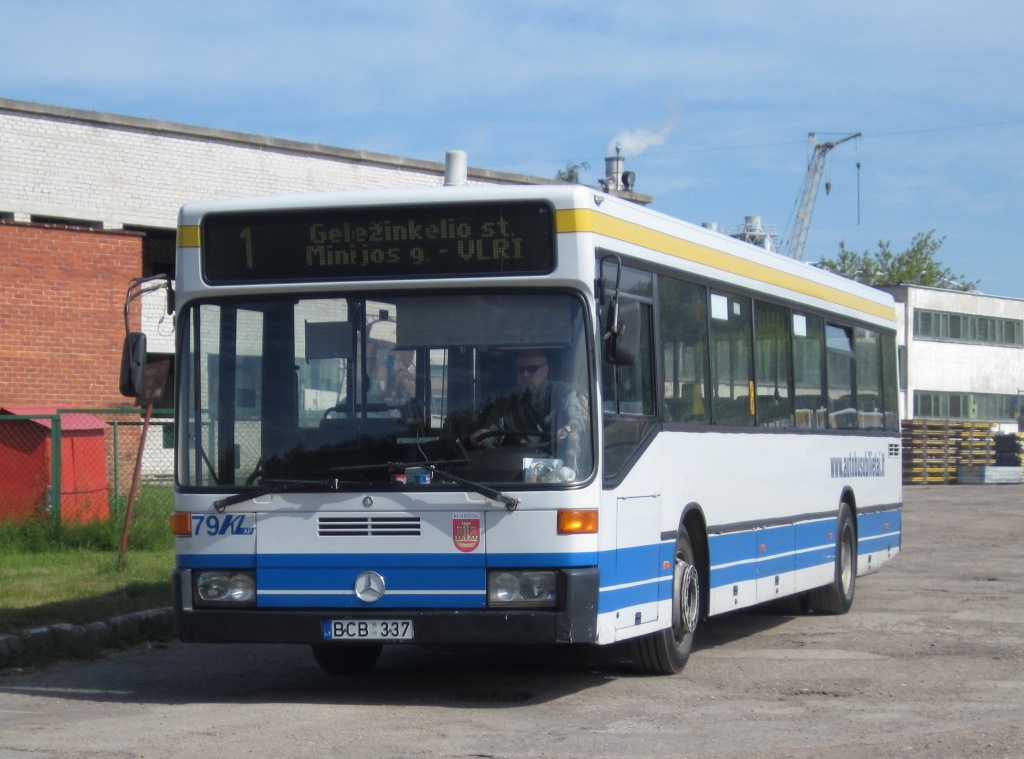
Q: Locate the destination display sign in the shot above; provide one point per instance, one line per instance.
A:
(442, 240)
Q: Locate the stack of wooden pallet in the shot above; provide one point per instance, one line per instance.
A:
(929, 451)
(934, 450)
(991, 466)
(976, 444)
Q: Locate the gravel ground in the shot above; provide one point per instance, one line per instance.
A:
(929, 663)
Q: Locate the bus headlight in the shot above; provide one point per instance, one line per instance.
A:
(221, 587)
(522, 588)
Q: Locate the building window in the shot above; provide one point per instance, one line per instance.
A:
(988, 407)
(968, 328)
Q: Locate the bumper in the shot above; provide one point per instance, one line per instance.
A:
(575, 623)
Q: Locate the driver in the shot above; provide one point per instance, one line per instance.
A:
(536, 407)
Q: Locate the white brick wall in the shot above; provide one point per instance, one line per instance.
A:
(156, 323)
(125, 171)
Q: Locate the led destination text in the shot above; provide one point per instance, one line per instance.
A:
(358, 243)
(350, 245)
(387, 231)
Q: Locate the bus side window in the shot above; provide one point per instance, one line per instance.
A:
(867, 353)
(890, 383)
(772, 365)
(808, 370)
(684, 351)
(630, 389)
(839, 368)
(732, 375)
(628, 401)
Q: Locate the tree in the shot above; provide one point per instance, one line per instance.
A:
(916, 265)
(571, 172)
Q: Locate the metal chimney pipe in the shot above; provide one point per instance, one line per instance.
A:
(613, 171)
(456, 168)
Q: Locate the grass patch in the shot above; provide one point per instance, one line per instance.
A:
(80, 585)
(71, 574)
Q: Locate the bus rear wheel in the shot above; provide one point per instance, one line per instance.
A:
(347, 659)
(837, 596)
(666, 651)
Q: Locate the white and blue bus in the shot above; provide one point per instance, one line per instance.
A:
(721, 429)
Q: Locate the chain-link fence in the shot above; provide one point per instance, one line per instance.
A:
(76, 466)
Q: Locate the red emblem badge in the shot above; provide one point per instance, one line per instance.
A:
(466, 532)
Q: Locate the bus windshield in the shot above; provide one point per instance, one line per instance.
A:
(392, 390)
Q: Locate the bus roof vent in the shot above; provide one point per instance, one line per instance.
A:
(455, 168)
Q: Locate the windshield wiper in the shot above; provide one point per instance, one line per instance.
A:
(391, 466)
(400, 466)
(276, 486)
(487, 492)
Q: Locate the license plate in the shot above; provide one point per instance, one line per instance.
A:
(368, 629)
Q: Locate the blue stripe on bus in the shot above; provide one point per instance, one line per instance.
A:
(541, 560)
(637, 575)
(390, 602)
(398, 580)
(610, 599)
(413, 580)
(743, 556)
(216, 561)
(629, 576)
(406, 588)
(880, 531)
(738, 556)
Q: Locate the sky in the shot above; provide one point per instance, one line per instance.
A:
(712, 102)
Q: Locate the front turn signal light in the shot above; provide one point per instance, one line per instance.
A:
(577, 521)
(181, 524)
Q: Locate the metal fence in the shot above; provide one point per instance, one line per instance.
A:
(75, 466)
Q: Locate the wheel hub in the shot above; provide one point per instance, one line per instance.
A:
(689, 597)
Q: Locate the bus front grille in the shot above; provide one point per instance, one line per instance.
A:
(367, 527)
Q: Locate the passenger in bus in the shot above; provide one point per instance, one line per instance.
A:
(538, 409)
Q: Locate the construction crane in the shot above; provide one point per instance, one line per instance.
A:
(809, 194)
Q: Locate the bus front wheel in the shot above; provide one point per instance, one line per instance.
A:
(666, 651)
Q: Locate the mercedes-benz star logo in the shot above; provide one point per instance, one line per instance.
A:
(369, 587)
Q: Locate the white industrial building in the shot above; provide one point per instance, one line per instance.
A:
(961, 356)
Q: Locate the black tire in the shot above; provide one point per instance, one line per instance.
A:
(837, 596)
(347, 659)
(665, 652)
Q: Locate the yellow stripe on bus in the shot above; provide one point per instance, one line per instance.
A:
(583, 220)
(188, 237)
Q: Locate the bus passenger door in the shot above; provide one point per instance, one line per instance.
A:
(632, 472)
(638, 559)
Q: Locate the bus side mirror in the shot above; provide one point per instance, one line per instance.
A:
(133, 364)
(622, 333)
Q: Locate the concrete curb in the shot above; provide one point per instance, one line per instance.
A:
(39, 644)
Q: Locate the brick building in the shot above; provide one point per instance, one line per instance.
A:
(61, 293)
(90, 200)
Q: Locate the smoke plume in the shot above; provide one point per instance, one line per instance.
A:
(633, 142)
